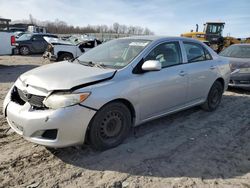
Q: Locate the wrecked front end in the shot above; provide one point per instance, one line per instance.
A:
(49, 53)
(28, 116)
(47, 110)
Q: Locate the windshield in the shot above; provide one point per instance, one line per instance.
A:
(237, 51)
(114, 54)
(74, 40)
(25, 37)
(214, 28)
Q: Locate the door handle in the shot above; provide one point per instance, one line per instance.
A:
(212, 67)
(182, 73)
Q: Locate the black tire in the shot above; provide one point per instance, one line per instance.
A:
(65, 57)
(214, 97)
(24, 50)
(110, 126)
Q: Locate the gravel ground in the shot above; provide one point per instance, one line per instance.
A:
(192, 148)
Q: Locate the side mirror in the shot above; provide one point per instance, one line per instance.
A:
(151, 65)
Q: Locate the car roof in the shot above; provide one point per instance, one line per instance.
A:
(156, 38)
(48, 34)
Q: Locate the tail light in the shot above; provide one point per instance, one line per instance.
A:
(13, 40)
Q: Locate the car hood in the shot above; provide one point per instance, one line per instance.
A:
(238, 63)
(64, 76)
(57, 41)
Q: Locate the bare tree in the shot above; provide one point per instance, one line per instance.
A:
(116, 27)
(32, 20)
(59, 26)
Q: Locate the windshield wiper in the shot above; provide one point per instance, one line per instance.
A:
(75, 58)
(91, 64)
(100, 65)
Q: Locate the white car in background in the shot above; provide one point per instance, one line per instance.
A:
(74, 46)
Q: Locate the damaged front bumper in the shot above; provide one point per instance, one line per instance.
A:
(53, 128)
(50, 56)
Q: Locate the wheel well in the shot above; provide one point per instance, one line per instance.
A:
(128, 105)
(24, 46)
(123, 101)
(63, 52)
(221, 80)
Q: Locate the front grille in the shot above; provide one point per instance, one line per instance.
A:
(239, 82)
(50, 134)
(244, 82)
(21, 97)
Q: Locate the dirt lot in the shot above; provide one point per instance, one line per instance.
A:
(192, 148)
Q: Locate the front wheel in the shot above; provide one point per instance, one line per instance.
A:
(65, 57)
(214, 97)
(110, 126)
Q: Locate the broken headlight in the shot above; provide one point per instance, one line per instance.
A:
(55, 101)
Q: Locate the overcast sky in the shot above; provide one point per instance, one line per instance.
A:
(163, 17)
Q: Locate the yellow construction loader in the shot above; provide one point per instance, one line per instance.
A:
(212, 36)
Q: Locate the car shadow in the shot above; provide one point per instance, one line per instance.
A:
(239, 90)
(190, 143)
(9, 73)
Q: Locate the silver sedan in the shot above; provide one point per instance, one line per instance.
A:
(99, 96)
(239, 59)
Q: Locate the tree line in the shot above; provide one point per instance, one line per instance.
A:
(61, 27)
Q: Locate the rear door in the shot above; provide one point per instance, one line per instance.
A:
(202, 71)
(39, 44)
(164, 90)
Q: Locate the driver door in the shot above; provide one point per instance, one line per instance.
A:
(165, 90)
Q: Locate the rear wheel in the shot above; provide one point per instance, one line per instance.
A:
(65, 57)
(24, 50)
(214, 97)
(110, 126)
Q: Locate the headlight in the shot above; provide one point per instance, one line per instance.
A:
(244, 70)
(55, 101)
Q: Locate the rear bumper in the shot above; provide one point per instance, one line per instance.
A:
(70, 124)
(15, 51)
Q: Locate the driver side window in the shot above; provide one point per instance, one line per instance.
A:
(168, 54)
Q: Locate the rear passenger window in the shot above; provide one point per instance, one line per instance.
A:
(168, 54)
(196, 52)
